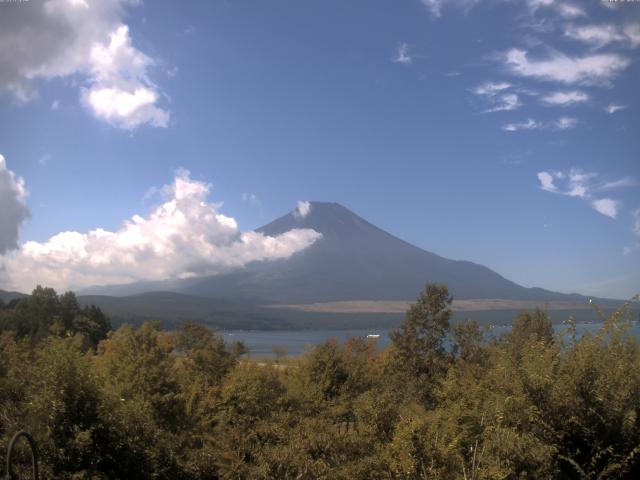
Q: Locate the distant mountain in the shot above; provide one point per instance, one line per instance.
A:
(6, 296)
(354, 260)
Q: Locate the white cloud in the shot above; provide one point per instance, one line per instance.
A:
(506, 102)
(499, 101)
(599, 36)
(620, 183)
(565, 123)
(566, 10)
(87, 40)
(606, 206)
(636, 221)
(562, 123)
(435, 6)
(632, 31)
(613, 108)
(13, 211)
(45, 159)
(581, 184)
(183, 237)
(250, 197)
(598, 69)
(530, 124)
(565, 98)
(490, 89)
(304, 208)
(403, 54)
(546, 181)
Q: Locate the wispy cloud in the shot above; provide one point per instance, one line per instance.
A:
(565, 123)
(581, 184)
(530, 124)
(597, 69)
(613, 108)
(620, 183)
(562, 123)
(44, 159)
(250, 197)
(564, 99)
(598, 36)
(497, 97)
(564, 9)
(403, 54)
(636, 221)
(490, 89)
(435, 6)
(506, 102)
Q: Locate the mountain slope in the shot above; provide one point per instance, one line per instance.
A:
(354, 260)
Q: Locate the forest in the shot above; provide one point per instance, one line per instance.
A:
(443, 401)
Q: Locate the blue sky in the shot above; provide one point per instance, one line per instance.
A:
(501, 132)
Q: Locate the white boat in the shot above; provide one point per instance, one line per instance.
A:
(373, 335)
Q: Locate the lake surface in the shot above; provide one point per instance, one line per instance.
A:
(261, 343)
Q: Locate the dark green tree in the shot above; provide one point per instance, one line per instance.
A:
(419, 343)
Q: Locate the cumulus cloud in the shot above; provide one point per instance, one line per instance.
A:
(403, 54)
(85, 40)
(599, 36)
(564, 99)
(581, 184)
(304, 208)
(185, 236)
(606, 206)
(13, 211)
(597, 69)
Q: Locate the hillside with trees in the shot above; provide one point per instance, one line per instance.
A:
(442, 402)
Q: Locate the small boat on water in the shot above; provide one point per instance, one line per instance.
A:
(373, 335)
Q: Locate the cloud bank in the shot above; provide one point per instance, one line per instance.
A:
(13, 207)
(84, 40)
(183, 237)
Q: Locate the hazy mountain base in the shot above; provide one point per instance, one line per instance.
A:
(148, 404)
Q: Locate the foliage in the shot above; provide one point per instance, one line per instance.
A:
(45, 313)
(440, 403)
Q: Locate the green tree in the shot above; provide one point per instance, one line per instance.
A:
(418, 345)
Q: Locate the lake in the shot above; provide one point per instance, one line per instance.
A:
(261, 343)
